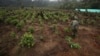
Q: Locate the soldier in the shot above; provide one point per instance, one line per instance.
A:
(74, 26)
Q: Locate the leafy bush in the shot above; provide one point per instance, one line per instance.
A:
(27, 16)
(68, 38)
(56, 17)
(74, 45)
(51, 16)
(55, 21)
(8, 20)
(14, 22)
(45, 17)
(67, 29)
(39, 17)
(40, 21)
(1, 18)
(20, 25)
(12, 34)
(27, 40)
(64, 19)
(2, 15)
(31, 29)
(33, 17)
(53, 27)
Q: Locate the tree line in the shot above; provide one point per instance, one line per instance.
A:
(64, 4)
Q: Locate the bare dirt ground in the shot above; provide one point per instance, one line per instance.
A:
(52, 44)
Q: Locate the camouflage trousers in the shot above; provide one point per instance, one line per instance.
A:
(74, 33)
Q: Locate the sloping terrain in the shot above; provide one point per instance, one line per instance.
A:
(49, 38)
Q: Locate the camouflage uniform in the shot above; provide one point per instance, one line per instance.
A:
(74, 27)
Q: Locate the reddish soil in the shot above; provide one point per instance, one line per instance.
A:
(52, 44)
(6, 42)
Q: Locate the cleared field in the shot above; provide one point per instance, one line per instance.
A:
(35, 32)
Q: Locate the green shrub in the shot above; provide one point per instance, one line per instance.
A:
(8, 20)
(45, 17)
(54, 20)
(65, 18)
(39, 17)
(31, 29)
(2, 15)
(33, 17)
(20, 25)
(53, 27)
(40, 21)
(27, 16)
(1, 18)
(68, 38)
(74, 45)
(56, 17)
(51, 16)
(27, 40)
(67, 29)
(14, 17)
(14, 22)
(13, 34)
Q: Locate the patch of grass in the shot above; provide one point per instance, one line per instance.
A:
(2, 15)
(54, 28)
(68, 38)
(8, 20)
(39, 17)
(64, 18)
(1, 18)
(41, 22)
(14, 22)
(33, 17)
(54, 20)
(45, 17)
(27, 40)
(74, 45)
(20, 25)
(31, 29)
(67, 29)
(13, 34)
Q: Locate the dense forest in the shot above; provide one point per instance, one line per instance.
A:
(65, 4)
